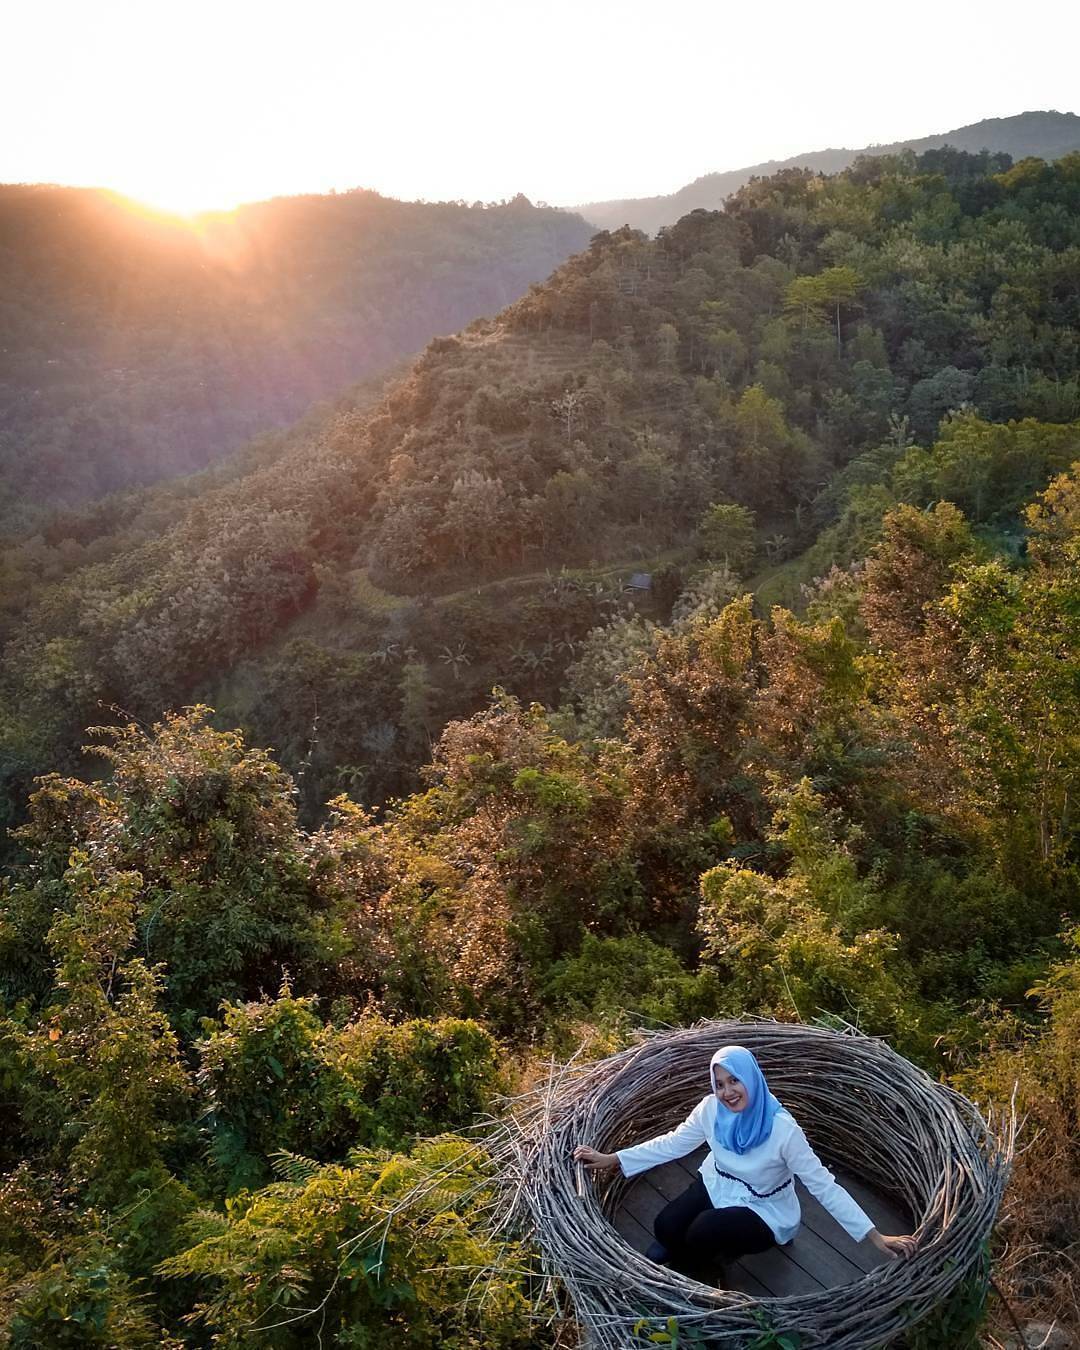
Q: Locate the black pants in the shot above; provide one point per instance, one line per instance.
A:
(700, 1237)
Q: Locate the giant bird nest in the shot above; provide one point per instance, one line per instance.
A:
(862, 1106)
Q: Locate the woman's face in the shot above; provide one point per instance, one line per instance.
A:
(730, 1090)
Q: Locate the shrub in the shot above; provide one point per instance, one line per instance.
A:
(381, 1254)
(617, 978)
(274, 1078)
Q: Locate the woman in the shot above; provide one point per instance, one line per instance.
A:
(744, 1200)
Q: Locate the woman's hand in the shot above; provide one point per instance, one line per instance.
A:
(901, 1245)
(592, 1157)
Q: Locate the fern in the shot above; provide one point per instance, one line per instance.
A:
(293, 1167)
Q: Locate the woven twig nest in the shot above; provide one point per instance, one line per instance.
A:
(864, 1108)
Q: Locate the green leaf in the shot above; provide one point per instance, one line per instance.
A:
(275, 1065)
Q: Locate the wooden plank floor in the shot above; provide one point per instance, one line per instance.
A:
(821, 1256)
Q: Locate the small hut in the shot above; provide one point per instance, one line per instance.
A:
(918, 1156)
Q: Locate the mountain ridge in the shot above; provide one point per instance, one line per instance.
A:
(1045, 134)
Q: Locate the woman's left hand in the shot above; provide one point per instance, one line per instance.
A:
(901, 1245)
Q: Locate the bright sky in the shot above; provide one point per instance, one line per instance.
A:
(189, 104)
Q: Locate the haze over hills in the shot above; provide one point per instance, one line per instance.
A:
(138, 345)
(1046, 135)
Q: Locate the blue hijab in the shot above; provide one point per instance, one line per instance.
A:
(743, 1130)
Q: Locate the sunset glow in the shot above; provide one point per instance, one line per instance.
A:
(207, 105)
(177, 198)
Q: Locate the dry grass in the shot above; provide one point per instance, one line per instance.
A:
(1039, 1268)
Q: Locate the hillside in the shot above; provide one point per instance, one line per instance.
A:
(256, 1002)
(137, 346)
(1045, 135)
(352, 586)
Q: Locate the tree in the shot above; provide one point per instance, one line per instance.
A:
(273, 1077)
(567, 408)
(596, 684)
(727, 532)
(804, 297)
(931, 398)
(208, 826)
(667, 346)
(706, 597)
(417, 716)
(477, 516)
(839, 286)
(688, 708)
(105, 1044)
(726, 351)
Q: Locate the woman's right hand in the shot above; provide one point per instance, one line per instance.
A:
(898, 1245)
(592, 1157)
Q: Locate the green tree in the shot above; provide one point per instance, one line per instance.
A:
(273, 1077)
(104, 1044)
(208, 828)
(727, 532)
(777, 954)
(839, 287)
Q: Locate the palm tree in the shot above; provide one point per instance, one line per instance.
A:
(456, 659)
(775, 545)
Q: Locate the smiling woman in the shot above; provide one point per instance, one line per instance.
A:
(743, 1201)
(915, 1154)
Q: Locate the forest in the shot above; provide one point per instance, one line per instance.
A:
(395, 791)
(138, 346)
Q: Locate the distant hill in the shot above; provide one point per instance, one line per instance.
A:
(136, 346)
(1046, 135)
(345, 588)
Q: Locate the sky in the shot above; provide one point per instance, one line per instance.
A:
(198, 105)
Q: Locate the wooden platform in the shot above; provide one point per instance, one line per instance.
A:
(821, 1256)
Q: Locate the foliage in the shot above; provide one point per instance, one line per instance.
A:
(201, 833)
(726, 533)
(597, 684)
(958, 1321)
(631, 977)
(665, 1331)
(274, 1078)
(778, 955)
(706, 596)
(316, 1252)
(76, 1299)
(104, 1046)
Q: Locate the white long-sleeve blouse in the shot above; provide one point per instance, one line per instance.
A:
(762, 1179)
